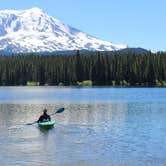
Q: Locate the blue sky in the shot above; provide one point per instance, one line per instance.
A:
(139, 23)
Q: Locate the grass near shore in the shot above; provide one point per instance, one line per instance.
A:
(123, 83)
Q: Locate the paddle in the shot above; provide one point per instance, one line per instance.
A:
(60, 110)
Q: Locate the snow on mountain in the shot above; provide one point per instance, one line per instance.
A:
(32, 30)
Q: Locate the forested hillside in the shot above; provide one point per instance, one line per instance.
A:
(107, 68)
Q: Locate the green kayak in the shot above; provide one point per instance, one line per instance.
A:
(47, 125)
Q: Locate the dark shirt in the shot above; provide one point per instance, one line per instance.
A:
(44, 117)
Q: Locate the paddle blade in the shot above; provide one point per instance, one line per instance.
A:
(60, 110)
(29, 124)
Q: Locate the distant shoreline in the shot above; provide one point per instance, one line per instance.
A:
(82, 86)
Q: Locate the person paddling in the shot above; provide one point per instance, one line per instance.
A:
(45, 117)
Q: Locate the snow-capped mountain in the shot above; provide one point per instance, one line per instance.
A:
(32, 30)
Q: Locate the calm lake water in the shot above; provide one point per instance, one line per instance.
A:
(99, 127)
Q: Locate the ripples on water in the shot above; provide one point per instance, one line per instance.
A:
(122, 131)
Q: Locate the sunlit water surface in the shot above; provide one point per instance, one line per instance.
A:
(99, 127)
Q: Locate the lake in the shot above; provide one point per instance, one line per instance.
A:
(99, 127)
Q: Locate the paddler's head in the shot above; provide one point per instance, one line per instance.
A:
(45, 111)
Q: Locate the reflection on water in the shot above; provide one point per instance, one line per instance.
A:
(74, 114)
(85, 134)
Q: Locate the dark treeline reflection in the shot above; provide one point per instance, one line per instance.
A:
(101, 68)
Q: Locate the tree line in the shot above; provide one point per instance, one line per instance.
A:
(101, 68)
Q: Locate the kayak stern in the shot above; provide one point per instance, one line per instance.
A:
(47, 125)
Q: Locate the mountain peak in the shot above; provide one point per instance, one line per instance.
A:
(34, 10)
(32, 30)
